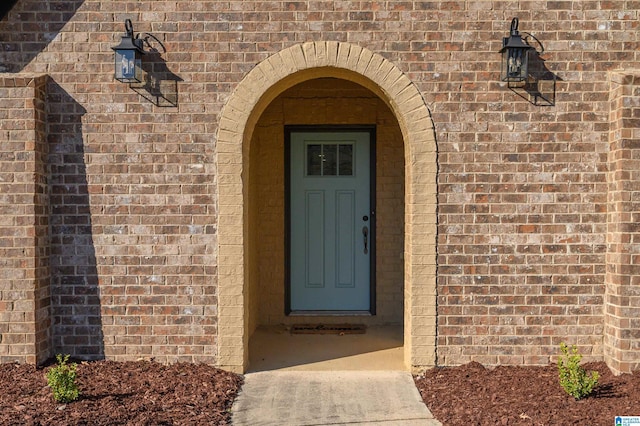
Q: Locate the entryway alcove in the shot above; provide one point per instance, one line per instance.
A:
(321, 109)
(324, 84)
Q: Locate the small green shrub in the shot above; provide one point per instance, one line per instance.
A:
(573, 377)
(62, 380)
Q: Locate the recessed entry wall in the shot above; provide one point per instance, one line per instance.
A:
(322, 101)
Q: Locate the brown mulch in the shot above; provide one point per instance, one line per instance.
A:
(149, 393)
(474, 395)
(117, 393)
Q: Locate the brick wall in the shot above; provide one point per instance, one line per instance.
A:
(524, 198)
(24, 220)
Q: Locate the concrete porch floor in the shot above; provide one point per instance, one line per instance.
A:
(275, 348)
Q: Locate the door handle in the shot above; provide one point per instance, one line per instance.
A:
(365, 234)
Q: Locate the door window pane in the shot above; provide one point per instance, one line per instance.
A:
(329, 160)
(345, 155)
(314, 160)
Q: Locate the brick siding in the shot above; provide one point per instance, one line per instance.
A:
(24, 220)
(537, 204)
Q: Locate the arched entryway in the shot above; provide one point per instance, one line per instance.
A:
(245, 120)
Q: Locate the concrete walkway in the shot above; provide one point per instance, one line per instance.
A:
(306, 398)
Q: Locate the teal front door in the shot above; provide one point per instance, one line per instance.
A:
(330, 221)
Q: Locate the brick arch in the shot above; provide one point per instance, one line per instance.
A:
(253, 94)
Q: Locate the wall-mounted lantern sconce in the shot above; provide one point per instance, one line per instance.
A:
(128, 63)
(524, 70)
(150, 78)
(515, 56)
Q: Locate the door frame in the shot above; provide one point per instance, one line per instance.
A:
(364, 128)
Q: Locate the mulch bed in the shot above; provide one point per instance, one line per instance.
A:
(474, 395)
(118, 393)
(149, 393)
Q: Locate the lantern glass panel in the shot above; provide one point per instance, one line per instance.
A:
(515, 63)
(128, 66)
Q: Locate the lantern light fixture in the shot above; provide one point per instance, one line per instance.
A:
(515, 56)
(128, 56)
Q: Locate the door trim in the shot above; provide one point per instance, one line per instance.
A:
(288, 130)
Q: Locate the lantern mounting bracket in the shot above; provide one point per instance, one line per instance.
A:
(538, 42)
(146, 38)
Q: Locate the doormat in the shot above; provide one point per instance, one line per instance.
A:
(328, 329)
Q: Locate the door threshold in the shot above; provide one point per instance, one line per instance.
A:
(330, 314)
